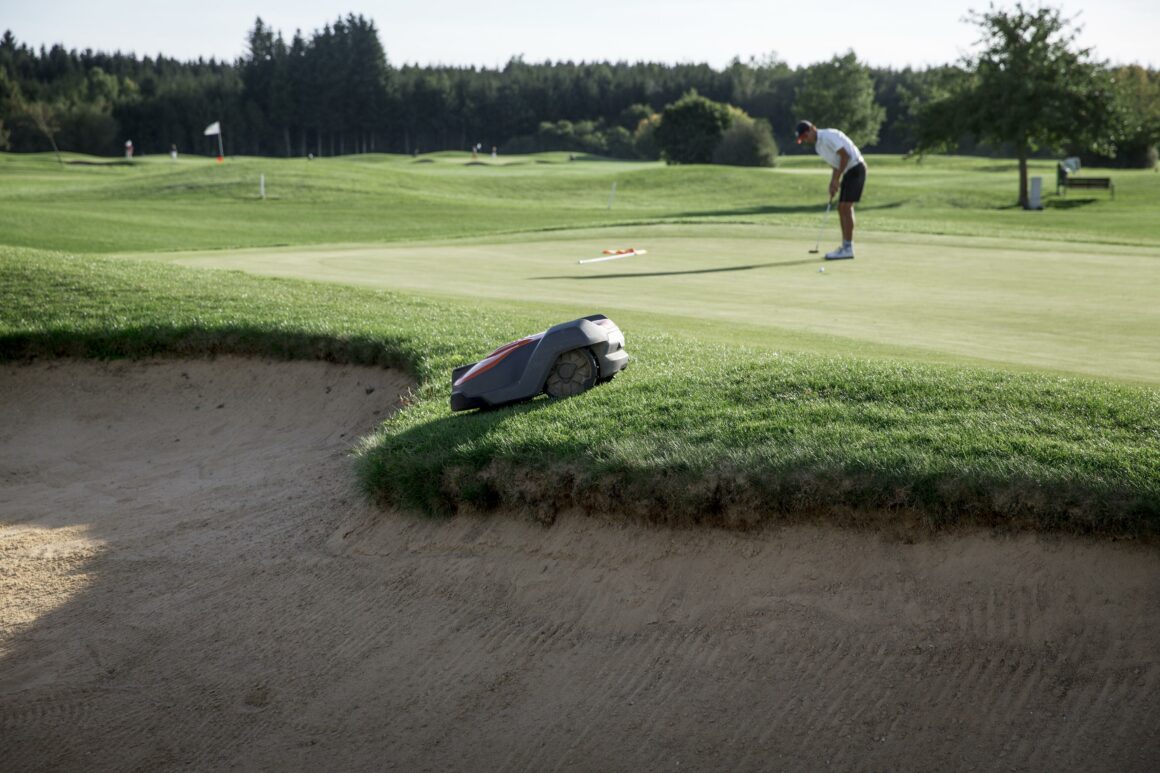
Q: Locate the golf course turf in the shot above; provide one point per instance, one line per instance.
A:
(975, 364)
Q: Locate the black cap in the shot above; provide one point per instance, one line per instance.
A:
(803, 127)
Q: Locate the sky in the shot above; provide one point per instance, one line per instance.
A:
(898, 34)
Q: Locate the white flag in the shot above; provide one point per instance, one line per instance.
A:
(213, 128)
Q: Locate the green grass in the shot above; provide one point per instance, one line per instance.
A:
(1075, 308)
(159, 205)
(780, 437)
(976, 364)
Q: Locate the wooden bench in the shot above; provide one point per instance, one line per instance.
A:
(1063, 180)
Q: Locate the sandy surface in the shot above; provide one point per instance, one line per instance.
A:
(187, 581)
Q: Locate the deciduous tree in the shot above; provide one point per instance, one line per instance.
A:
(1028, 88)
(840, 93)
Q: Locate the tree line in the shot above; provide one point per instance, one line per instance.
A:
(335, 92)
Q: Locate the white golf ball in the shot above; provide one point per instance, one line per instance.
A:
(822, 270)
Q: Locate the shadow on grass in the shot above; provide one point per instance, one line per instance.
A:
(447, 464)
(1061, 204)
(99, 163)
(1069, 203)
(690, 272)
(1012, 166)
(783, 210)
(186, 341)
(589, 157)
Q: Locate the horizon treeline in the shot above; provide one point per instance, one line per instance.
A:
(336, 93)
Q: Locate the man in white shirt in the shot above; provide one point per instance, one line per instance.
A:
(849, 177)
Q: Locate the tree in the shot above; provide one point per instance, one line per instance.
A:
(691, 129)
(1138, 91)
(257, 73)
(912, 91)
(46, 117)
(9, 94)
(362, 76)
(1027, 89)
(644, 138)
(840, 93)
(334, 88)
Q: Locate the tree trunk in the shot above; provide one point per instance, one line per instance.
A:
(1024, 199)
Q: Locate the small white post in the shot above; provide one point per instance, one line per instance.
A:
(262, 185)
(612, 195)
(1035, 195)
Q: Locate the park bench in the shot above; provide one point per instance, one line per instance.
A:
(1065, 180)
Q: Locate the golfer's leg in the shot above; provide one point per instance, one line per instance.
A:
(846, 217)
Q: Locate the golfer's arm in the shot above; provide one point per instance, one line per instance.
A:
(841, 170)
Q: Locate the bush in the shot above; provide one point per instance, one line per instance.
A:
(631, 116)
(691, 129)
(747, 142)
(580, 136)
(618, 142)
(696, 130)
(644, 139)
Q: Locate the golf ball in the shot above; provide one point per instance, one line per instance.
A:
(822, 270)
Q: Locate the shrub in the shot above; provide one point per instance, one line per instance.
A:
(644, 140)
(691, 129)
(580, 136)
(747, 142)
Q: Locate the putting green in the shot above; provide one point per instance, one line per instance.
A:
(1080, 308)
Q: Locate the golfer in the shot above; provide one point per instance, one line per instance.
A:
(849, 177)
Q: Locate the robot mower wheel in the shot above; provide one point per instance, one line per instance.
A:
(572, 373)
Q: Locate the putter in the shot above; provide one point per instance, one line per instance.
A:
(821, 225)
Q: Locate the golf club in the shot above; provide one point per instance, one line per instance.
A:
(821, 225)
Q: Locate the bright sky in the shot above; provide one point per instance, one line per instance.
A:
(916, 33)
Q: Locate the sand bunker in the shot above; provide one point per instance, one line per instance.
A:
(188, 581)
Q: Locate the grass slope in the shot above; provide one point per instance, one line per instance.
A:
(193, 204)
(711, 433)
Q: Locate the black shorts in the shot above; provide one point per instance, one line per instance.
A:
(852, 184)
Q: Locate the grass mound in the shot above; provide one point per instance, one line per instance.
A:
(715, 435)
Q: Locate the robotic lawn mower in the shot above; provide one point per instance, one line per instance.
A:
(564, 360)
